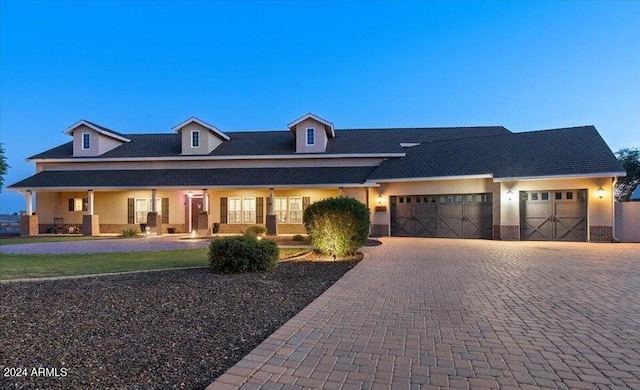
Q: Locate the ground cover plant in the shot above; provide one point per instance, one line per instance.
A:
(166, 329)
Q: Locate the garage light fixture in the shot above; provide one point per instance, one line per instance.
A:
(510, 195)
(600, 192)
(379, 199)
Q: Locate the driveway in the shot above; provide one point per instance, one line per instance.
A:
(142, 244)
(430, 313)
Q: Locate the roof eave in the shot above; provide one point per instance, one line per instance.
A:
(202, 123)
(567, 176)
(90, 125)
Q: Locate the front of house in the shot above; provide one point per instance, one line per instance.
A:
(471, 182)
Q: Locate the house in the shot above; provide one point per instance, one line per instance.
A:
(457, 182)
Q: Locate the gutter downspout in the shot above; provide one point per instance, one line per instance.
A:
(614, 181)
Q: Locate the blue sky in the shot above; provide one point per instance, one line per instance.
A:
(142, 66)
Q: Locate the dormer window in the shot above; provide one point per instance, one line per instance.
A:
(311, 136)
(86, 139)
(195, 138)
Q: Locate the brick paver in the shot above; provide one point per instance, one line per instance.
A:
(432, 313)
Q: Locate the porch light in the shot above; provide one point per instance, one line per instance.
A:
(193, 234)
(379, 199)
(600, 192)
(510, 195)
(190, 194)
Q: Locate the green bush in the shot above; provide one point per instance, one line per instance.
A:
(298, 237)
(255, 231)
(242, 254)
(129, 233)
(337, 225)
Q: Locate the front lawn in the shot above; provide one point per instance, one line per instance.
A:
(40, 266)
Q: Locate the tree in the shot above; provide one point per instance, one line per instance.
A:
(4, 167)
(630, 160)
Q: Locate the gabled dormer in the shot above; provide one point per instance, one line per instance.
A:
(90, 140)
(199, 137)
(312, 133)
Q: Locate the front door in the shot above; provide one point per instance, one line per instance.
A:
(196, 207)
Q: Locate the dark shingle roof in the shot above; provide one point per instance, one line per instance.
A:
(576, 150)
(150, 178)
(270, 143)
(107, 130)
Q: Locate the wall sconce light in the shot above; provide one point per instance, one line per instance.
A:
(600, 192)
(190, 194)
(510, 195)
(379, 199)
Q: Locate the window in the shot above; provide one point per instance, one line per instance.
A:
(558, 195)
(534, 196)
(569, 195)
(143, 207)
(86, 138)
(311, 137)
(280, 209)
(78, 204)
(248, 210)
(545, 196)
(234, 210)
(295, 210)
(195, 138)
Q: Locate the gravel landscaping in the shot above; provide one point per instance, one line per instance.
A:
(173, 329)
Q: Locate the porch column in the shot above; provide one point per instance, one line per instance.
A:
(29, 222)
(203, 216)
(154, 221)
(189, 197)
(90, 222)
(271, 222)
(340, 191)
(205, 200)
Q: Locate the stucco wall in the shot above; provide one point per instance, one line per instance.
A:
(98, 143)
(208, 141)
(628, 221)
(301, 137)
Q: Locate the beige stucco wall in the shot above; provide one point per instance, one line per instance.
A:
(208, 140)
(600, 211)
(628, 221)
(301, 137)
(98, 143)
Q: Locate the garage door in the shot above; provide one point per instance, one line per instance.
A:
(553, 215)
(451, 216)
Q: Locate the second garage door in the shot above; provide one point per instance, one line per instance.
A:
(450, 216)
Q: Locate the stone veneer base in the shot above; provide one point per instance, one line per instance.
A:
(90, 225)
(600, 233)
(29, 225)
(510, 232)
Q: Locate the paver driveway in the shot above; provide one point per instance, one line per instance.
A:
(420, 313)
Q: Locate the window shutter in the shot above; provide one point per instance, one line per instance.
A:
(223, 210)
(131, 211)
(306, 201)
(71, 204)
(260, 210)
(85, 204)
(165, 210)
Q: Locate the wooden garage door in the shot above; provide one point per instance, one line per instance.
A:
(451, 216)
(553, 215)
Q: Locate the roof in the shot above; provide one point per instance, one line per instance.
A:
(556, 152)
(224, 177)
(328, 126)
(100, 129)
(635, 195)
(271, 143)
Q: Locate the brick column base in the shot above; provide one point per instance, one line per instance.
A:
(29, 225)
(202, 228)
(379, 230)
(154, 223)
(600, 233)
(510, 232)
(90, 225)
(272, 225)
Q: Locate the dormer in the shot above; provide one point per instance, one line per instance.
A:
(199, 137)
(91, 140)
(312, 133)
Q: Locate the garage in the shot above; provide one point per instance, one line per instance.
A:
(553, 215)
(447, 216)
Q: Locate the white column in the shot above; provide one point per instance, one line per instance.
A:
(272, 201)
(29, 203)
(205, 201)
(153, 201)
(90, 197)
(190, 196)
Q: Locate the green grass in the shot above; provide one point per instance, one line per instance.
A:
(41, 266)
(35, 240)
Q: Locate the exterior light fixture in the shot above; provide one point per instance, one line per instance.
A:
(190, 194)
(510, 195)
(193, 234)
(600, 192)
(379, 199)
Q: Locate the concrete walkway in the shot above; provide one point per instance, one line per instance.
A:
(418, 314)
(142, 244)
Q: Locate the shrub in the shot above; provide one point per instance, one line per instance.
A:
(255, 231)
(242, 254)
(298, 237)
(337, 225)
(129, 233)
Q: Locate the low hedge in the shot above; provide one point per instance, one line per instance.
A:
(241, 254)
